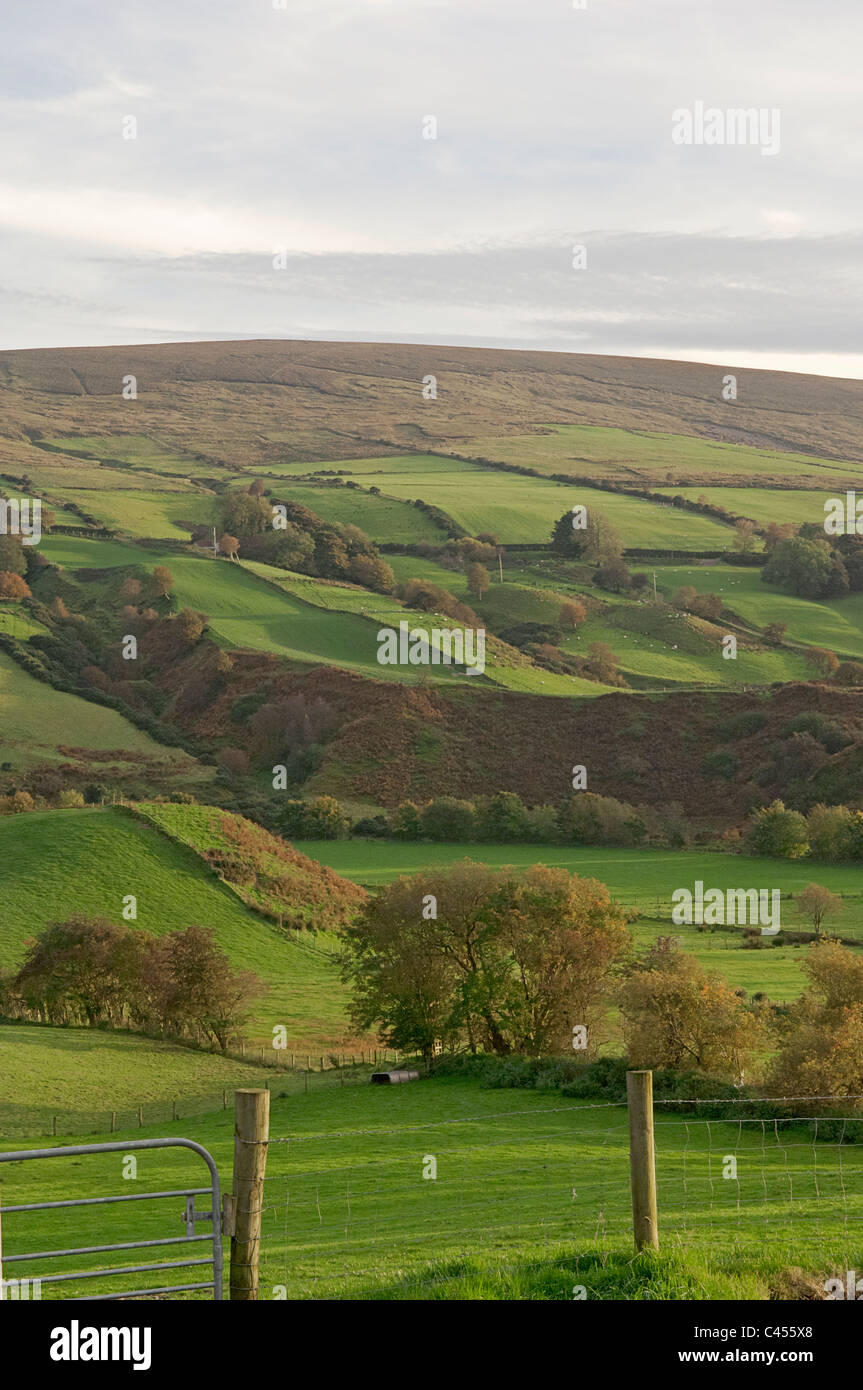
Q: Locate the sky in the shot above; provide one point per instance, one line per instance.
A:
(501, 173)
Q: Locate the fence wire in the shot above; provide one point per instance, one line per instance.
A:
(397, 1212)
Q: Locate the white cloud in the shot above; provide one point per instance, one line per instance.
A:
(301, 128)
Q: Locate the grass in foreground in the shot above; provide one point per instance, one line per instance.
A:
(531, 1198)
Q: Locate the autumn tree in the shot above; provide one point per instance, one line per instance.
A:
(571, 614)
(234, 762)
(491, 958)
(676, 1015)
(194, 990)
(229, 545)
(372, 572)
(12, 586)
(744, 536)
(478, 580)
(817, 902)
(163, 580)
(431, 598)
(613, 574)
(82, 970)
(823, 662)
(562, 936)
(774, 532)
(849, 673)
(684, 598)
(281, 727)
(130, 590)
(708, 606)
(821, 1051)
(601, 663)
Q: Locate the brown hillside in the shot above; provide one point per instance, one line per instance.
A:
(254, 404)
(396, 742)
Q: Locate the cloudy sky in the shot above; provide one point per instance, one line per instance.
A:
(281, 182)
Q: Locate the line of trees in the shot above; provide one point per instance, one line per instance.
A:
(504, 818)
(832, 833)
(87, 970)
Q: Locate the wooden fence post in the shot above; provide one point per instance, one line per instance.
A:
(251, 1137)
(642, 1167)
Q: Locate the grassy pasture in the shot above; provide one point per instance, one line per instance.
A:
(146, 513)
(61, 1072)
(672, 649)
(16, 622)
(663, 650)
(531, 1197)
(762, 504)
(375, 471)
(581, 449)
(516, 509)
(639, 878)
(382, 518)
(267, 609)
(86, 862)
(133, 451)
(80, 552)
(834, 623)
(35, 718)
(520, 510)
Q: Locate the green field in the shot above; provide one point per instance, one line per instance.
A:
(531, 1198)
(161, 515)
(641, 455)
(79, 552)
(520, 510)
(761, 504)
(256, 606)
(654, 649)
(36, 720)
(87, 861)
(382, 518)
(835, 623)
(133, 451)
(59, 1073)
(666, 648)
(372, 470)
(16, 622)
(638, 878)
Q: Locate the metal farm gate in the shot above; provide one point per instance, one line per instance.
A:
(191, 1216)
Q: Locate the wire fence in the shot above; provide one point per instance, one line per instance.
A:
(401, 1212)
(314, 1073)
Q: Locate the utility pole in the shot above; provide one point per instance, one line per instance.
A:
(654, 586)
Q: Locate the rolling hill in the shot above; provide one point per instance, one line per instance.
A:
(88, 860)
